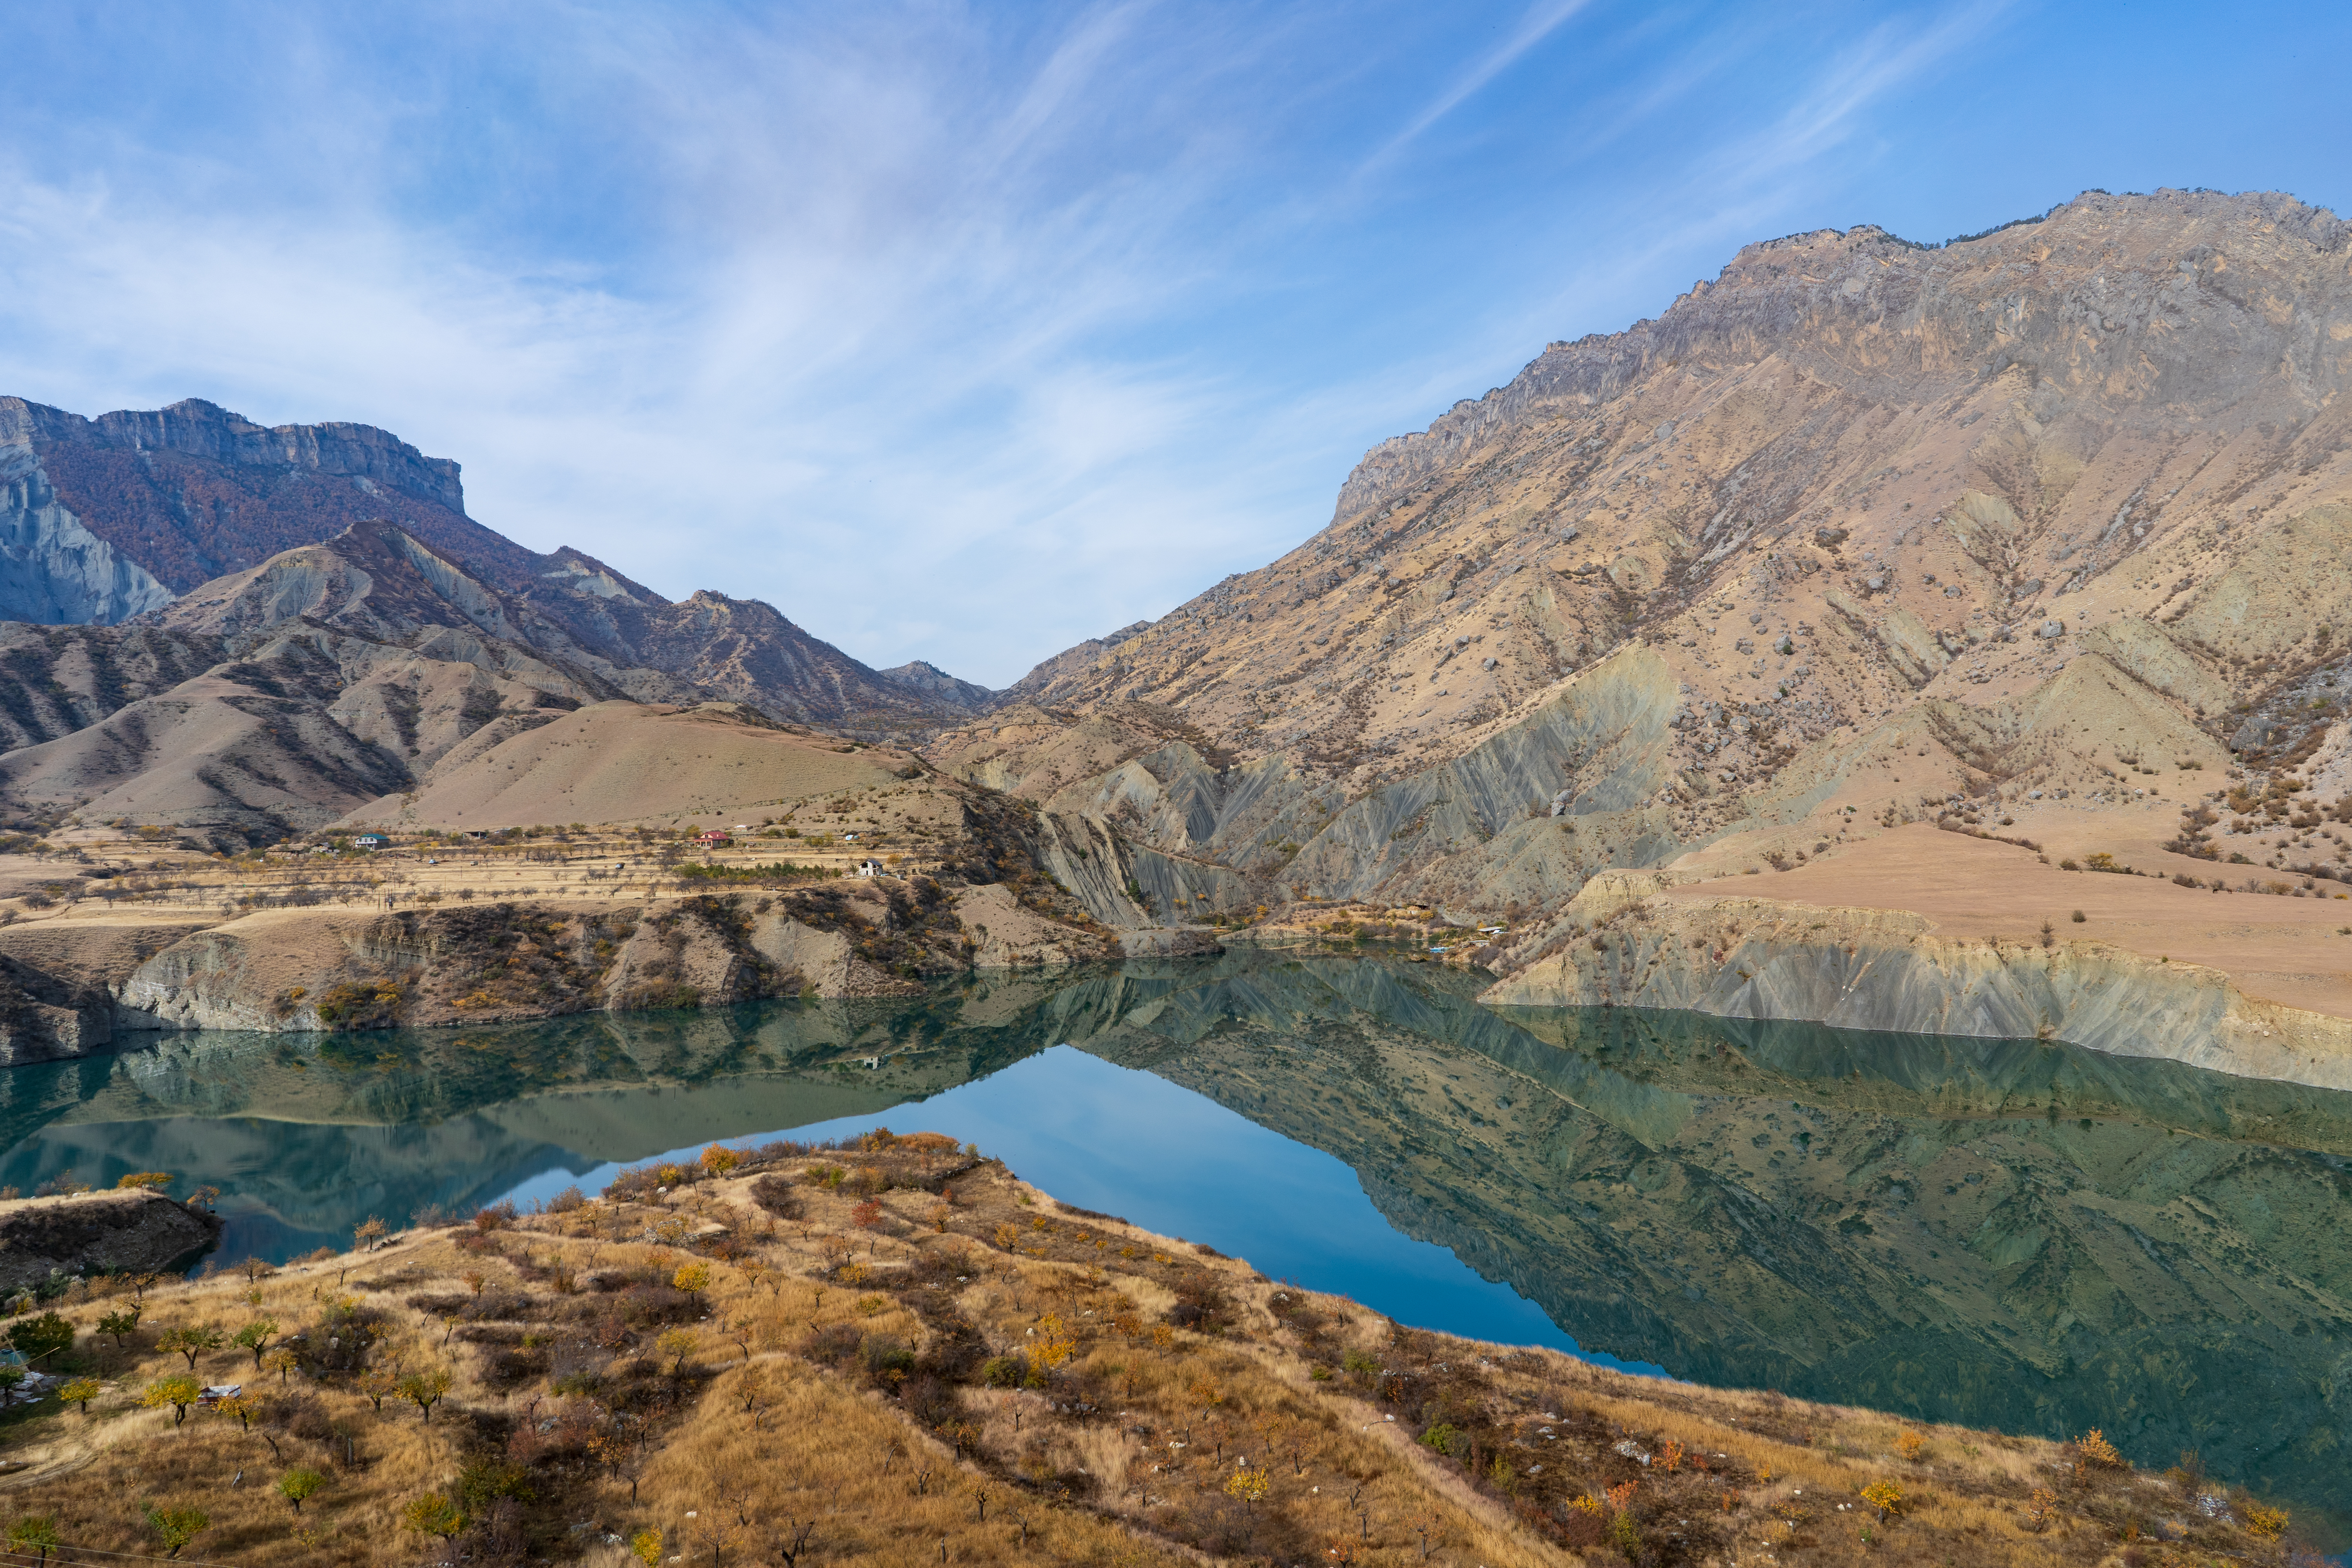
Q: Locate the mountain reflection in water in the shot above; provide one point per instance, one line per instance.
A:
(2004, 1234)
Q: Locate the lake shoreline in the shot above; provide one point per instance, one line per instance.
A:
(998, 1295)
(1746, 957)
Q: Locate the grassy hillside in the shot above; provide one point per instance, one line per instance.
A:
(899, 1352)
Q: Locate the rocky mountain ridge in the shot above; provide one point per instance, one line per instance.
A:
(104, 520)
(1858, 533)
(279, 698)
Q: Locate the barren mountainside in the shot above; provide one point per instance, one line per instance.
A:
(1862, 531)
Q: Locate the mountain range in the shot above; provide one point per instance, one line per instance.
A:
(109, 520)
(1860, 533)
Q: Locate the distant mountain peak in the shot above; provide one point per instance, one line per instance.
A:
(107, 520)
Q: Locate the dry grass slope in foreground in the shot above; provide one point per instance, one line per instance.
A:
(898, 1353)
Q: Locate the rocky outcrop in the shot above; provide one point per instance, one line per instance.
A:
(57, 985)
(44, 1018)
(54, 570)
(932, 684)
(1006, 935)
(139, 1232)
(1628, 945)
(70, 989)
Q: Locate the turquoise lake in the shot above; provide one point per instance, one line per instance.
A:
(2008, 1234)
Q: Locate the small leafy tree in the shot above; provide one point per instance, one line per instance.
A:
(298, 1484)
(425, 1388)
(1885, 1496)
(2094, 1452)
(144, 1181)
(648, 1547)
(280, 1361)
(677, 1344)
(179, 1390)
(719, 1159)
(239, 1407)
(35, 1532)
(79, 1391)
(377, 1382)
(693, 1278)
(175, 1527)
(35, 1338)
(1624, 1533)
(1055, 1344)
(1250, 1484)
(2267, 1522)
(368, 1232)
(256, 1337)
(120, 1326)
(433, 1514)
(191, 1342)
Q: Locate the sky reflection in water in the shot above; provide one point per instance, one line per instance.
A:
(1133, 1145)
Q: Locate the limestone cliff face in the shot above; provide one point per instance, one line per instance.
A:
(52, 569)
(1876, 969)
(79, 989)
(44, 1018)
(193, 492)
(301, 970)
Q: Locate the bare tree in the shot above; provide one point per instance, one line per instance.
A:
(713, 1531)
(788, 1538)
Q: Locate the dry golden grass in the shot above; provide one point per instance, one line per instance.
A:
(875, 1372)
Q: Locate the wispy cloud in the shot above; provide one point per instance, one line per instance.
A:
(1539, 22)
(957, 332)
(1892, 56)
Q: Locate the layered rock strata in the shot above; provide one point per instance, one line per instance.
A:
(1889, 970)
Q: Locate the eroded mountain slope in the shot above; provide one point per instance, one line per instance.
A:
(1861, 531)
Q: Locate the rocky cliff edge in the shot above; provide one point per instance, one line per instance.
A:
(1628, 945)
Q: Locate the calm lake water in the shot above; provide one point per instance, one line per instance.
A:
(2006, 1234)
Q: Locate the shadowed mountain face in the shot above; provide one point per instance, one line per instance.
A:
(103, 520)
(2004, 1234)
(193, 492)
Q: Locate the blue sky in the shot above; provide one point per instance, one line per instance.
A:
(966, 332)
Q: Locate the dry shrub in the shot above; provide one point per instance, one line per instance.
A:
(2094, 1452)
